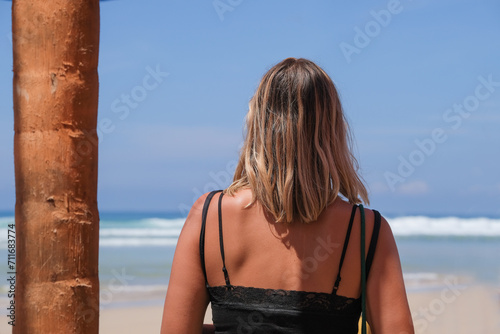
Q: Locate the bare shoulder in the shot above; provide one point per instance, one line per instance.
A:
(386, 241)
(385, 232)
(239, 199)
(236, 205)
(187, 298)
(387, 304)
(369, 217)
(197, 208)
(230, 203)
(193, 220)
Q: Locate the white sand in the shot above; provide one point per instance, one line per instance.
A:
(135, 320)
(447, 309)
(466, 310)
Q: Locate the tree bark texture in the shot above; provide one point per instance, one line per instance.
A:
(56, 47)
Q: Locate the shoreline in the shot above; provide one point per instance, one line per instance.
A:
(454, 306)
(439, 303)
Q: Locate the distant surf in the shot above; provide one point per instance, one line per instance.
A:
(445, 226)
(136, 252)
(153, 231)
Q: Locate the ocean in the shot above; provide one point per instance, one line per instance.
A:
(136, 252)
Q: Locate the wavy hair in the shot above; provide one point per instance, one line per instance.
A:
(296, 157)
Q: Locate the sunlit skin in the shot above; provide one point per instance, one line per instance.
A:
(264, 254)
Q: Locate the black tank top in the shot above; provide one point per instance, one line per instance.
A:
(240, 309)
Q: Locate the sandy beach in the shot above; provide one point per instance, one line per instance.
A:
(135, 320)
(448, 309)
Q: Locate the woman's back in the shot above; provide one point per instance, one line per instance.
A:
(276, 278)
(296, 256)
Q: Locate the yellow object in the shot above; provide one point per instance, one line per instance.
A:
(368, 330)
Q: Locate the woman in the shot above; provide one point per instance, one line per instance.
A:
(279, 250)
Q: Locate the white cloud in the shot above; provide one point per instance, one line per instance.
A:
(413, 188)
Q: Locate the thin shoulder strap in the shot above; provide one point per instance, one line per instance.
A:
(346, 242)
(373, 242)
(221, 242)
(363, 271)
(202, 232)
(367, 263)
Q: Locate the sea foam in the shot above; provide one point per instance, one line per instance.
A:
(446, 226)
(165, 231)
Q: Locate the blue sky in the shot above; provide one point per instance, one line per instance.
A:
(419, 81)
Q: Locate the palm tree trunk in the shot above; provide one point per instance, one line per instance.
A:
(56, 46)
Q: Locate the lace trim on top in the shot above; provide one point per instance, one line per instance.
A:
(231, 295)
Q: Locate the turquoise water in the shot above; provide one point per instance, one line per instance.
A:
(136, 252)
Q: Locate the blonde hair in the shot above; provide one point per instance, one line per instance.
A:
(296, 157)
